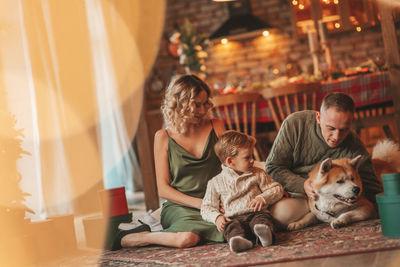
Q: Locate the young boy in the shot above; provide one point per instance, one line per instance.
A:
(245, 192)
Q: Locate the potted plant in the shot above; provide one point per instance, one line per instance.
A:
(12, 198)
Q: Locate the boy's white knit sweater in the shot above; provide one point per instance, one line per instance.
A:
(236, 191)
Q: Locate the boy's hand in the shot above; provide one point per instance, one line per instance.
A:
(220, 222)
(221, 207)
(256, 204)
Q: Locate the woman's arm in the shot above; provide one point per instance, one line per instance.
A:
(219, 127)
(162, 174)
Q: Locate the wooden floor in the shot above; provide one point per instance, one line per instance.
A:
(389, 258)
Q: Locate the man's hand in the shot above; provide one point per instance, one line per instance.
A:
(220, 222)
(256, 204)
(309, 190)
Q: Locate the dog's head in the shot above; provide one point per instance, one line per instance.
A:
(338, 179)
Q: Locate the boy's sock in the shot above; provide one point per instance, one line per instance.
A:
(264, 233)
(238, 243)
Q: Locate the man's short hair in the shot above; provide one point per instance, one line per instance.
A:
(230, 142)
(341, 101)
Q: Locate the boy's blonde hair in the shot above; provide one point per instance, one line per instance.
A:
(230, 142)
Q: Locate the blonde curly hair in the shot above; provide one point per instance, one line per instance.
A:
(178, 105)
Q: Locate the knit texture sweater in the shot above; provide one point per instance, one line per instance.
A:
(237, 191)
(299, 146)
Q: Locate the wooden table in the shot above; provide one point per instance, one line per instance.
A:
(367, 89)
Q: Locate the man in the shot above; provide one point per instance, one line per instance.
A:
(305, 139)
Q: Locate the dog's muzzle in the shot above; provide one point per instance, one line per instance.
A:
(356, 190)
(351, 200)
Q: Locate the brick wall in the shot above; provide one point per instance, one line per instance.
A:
(257, 59)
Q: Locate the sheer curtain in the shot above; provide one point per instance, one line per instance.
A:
(72, 74)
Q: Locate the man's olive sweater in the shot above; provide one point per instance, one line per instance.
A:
(299, 146)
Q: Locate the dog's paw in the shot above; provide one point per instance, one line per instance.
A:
(338, 223)
(295, 226)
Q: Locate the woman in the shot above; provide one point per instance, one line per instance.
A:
(184, 161)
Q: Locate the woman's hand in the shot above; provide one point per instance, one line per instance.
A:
(256, 204)
(220, 222)
(309, 190)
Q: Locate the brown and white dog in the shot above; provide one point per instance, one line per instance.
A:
(339, 188)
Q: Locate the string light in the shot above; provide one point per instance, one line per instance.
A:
(336, 2)
(301, 6)
(265, 33)
(224, 41)
(294, 2)
(337, 25)
(358, 28)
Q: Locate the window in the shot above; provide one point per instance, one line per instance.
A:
(339, 15)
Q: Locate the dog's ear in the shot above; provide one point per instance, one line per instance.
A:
(355, 163)
(323, 169)
(325, 166)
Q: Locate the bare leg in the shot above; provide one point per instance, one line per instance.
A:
(178, 240)
(288, 210)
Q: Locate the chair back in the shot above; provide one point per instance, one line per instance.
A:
(375, 115)
(239, 112)
(291, 98)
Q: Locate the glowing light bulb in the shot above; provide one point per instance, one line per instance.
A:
(336, 2)
(224, 41)
(337, 25)
(301, 6)
(358, 28)
(294, 2)
(265, 33)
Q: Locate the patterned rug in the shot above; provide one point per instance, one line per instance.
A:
(313, 242)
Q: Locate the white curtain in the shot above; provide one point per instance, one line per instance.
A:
(72, 74)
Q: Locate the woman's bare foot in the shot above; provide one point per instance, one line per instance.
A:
(135, 240)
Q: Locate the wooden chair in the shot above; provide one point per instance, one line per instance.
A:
(375, 115)
(291, 98)
(239, 112)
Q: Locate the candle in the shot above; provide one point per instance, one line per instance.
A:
(322, 31)
(312, 39)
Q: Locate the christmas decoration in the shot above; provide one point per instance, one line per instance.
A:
(191, 49)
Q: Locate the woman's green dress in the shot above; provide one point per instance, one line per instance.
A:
(190, 176)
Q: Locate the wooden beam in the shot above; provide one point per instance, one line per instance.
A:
(344, 12)
(392, 56)
(146, 159)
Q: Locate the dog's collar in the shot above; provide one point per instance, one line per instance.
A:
(332, 214)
